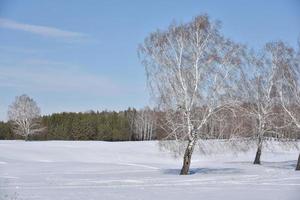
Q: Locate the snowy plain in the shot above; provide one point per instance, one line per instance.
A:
(93, 170)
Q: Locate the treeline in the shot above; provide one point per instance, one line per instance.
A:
(134, 125)
(6, 132)
(128, 125)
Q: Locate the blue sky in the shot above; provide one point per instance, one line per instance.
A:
(82, 55)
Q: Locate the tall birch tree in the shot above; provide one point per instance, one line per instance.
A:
(190, 69)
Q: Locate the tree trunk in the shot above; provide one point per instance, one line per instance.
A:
(258, 154)
(187, 157)
(298, 163)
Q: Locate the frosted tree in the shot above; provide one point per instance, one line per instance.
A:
(24, 116)
(191, 70)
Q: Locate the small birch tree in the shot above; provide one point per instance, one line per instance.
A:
(190, 69)
(142, 124)
(24, 116)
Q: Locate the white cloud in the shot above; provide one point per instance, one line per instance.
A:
(40, 30)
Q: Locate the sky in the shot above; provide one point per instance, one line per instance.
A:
(82, 55)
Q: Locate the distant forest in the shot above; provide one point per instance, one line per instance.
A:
(135, 125)
(128, 125)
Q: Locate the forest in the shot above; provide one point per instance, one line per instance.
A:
(136, 125)
(105, 125)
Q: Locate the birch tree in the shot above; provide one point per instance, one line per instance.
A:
(190, 69)
(260, 96)
(143, 124)
(24, 116)
(289, 81)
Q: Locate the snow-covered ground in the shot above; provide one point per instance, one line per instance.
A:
(74, 170)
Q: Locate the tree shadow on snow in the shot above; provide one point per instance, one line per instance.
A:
(205, 171)
(290, 164)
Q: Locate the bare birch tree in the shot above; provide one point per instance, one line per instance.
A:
(289, 81)
(24, 116)
(190, 69)
(260, 96)
(143, 124)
